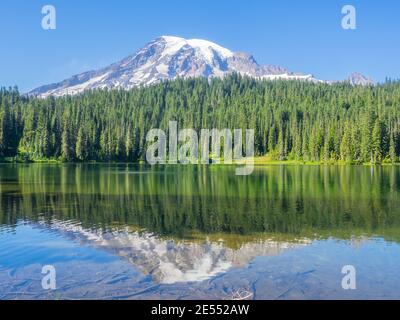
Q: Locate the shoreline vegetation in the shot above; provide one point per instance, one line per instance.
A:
(294, 122)
(258, 161)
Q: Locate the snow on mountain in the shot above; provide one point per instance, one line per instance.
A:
(169, 261)
(358, 79)
(165, 58)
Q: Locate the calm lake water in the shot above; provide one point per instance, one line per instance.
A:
(199, 232)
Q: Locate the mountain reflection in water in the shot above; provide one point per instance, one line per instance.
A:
(168, 260)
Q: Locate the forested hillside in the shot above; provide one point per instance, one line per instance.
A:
(292, 119)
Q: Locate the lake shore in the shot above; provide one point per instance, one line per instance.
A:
(258, 161)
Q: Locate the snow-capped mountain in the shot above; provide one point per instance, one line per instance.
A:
(358, 79)
(169, 57)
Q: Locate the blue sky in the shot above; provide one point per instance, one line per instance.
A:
(303, 36)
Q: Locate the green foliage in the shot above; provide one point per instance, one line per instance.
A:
(303, 201)
(292, 119)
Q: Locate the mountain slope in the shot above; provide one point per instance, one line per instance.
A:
(167, 58)
(358, 79)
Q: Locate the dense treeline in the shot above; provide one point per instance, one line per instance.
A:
(292, 119)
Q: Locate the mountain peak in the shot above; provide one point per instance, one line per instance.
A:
(359, 79)
(205, 47)
(170, 57)
(171, 38)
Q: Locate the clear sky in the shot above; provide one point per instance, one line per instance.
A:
(303, 36)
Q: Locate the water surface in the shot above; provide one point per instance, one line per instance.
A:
(187, 232)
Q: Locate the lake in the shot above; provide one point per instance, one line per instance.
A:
(118, 231)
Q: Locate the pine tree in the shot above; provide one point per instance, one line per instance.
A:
(82, 151)
(67, 149)
(345, 146)
(2, 133)
(392, 150)
(281, 146)
(376, 141)
(366, 138)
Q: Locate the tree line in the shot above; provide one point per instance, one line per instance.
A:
(293, 120)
